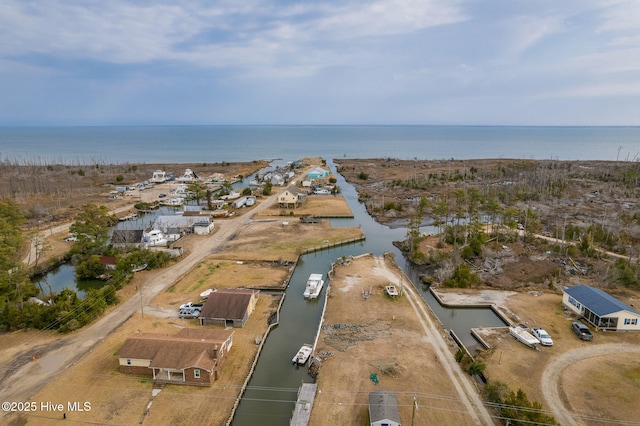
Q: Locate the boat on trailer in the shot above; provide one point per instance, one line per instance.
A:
(314, 286)
(519, 331)
(303, 355)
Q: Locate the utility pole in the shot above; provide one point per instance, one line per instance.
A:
(141, 304)
(415, 408)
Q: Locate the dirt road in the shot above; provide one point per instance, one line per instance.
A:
(467, 393)
(28, 378)
(551, 383)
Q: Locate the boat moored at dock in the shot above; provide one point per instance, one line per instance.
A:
(314, 286)
(303, 354)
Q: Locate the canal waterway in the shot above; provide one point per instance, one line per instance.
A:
(270, 397)
(271, 393)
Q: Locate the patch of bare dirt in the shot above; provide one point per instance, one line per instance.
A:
(364, 340)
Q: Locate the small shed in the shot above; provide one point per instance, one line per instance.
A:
(600, 309)
(203, 227)
(229, 307)
(383, 409)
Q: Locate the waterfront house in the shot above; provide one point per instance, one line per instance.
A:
(190, 357)
(600, 309)
(292, 198)
(318, 173)
(229, 307)
(383, 409)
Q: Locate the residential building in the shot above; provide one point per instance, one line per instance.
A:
(600, 309)
(292, 198)
(383, 409)
(190, 357)
(229, 307)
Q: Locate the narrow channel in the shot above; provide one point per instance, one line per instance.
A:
(271, 393)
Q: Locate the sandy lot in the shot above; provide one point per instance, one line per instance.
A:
(393, 339)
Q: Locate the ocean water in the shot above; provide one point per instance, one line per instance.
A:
(194, 144)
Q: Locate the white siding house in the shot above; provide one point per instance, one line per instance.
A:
(600, 309)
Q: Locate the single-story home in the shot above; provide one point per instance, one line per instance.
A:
(229, 307)
(318, 173)
(600, 309)
(383, 409)
(190, 357)
(292, 197)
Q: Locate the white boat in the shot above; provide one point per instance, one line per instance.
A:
(188, 176)
(154, 238)
(314, 286)
(159, 176)
(173, 202)
(139, 268)
(520, 332)
(206, 293)
(303, 355)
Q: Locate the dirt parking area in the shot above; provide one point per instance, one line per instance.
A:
(378, 335)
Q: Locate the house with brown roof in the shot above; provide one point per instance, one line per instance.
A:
(229, 307)
(292, 198)
(190, 357)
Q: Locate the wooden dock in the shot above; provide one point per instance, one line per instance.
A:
(304, 404)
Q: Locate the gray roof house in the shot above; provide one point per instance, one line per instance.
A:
(600, 309)
(383, 409)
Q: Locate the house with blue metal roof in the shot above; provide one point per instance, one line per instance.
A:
(600, 309)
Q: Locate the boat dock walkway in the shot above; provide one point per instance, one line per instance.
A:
(304, 404)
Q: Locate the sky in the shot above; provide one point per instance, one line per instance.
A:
(443, 62)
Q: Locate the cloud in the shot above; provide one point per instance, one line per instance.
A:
(125, 32)
(527, 31)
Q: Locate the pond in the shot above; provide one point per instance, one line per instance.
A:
(63, 277)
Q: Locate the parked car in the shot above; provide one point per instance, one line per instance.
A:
(581, 330)
(71, 238)
(192, 305)
(189, 313)
(162, 195)
(543, 336)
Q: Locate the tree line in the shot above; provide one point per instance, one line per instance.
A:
(64, 311)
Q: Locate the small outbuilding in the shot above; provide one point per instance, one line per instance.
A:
(229, 307)
(600, 309)
(383, 409)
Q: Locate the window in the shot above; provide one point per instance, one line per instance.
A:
(196, 373)
(128, 362)
(630, 321)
